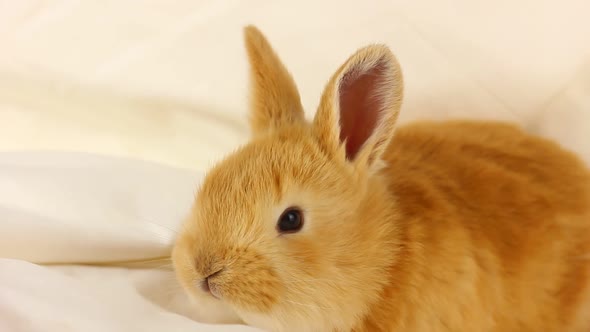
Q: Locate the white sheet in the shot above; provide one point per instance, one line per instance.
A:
(165, 82)
(37, 299)
(80, 208)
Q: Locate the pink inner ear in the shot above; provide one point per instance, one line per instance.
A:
(360, 104)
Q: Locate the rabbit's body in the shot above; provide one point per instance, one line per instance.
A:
(339, 225)
(496, 232)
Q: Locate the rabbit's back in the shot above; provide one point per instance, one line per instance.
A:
(496, 225)
(492, 167)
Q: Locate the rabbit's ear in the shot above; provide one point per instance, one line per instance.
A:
(274, 99)
(360, 106)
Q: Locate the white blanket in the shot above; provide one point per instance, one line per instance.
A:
(111, 111)
(70, 208)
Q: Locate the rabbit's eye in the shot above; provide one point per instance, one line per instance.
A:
(290, 221)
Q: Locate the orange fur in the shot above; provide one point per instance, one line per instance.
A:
(454, 226)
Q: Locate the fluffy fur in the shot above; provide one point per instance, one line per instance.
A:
(455, 226)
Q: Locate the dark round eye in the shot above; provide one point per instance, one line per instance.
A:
(290, 221)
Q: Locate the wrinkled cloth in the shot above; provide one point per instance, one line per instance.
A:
(111, 112)
(61, 209)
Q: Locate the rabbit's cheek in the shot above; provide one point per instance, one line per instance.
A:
(250, 284)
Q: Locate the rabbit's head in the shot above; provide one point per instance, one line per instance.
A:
(294, 230)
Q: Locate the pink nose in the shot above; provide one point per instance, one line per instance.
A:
(205, 286)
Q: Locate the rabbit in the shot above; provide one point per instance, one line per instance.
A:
(344, 222)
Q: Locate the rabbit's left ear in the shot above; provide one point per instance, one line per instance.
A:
(274, 98)
(359, 107)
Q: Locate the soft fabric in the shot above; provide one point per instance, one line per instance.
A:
(111, 112)
(60, 209)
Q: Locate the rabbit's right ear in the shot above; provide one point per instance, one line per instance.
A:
(274, 98)
(359, 107)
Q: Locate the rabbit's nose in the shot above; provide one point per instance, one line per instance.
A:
(207, 286)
